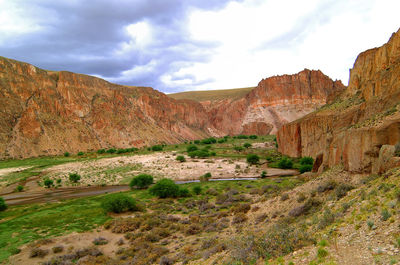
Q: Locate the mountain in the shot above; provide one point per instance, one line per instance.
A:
(360, 128)
(49, 113)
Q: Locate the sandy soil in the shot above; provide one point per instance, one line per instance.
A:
(6, 171)
(119, 170)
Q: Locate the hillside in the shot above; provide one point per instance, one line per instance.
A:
(212, 95)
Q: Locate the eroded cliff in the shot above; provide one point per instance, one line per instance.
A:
(363, 120)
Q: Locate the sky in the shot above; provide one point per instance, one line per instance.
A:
(181, 45)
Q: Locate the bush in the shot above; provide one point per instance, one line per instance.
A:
(252, 159)
(197, 189)
(101, 151)
(199, 153)
(305, 168)
(157, 148)
(181, 159)
(184, 192)
(264, 174)
(253, 137)
(3, 205)
(165, 188)
(210, 140)
(111, 151)
(74, 177)
(81, 153)
(307, 207)
(19, 188)
(242, 136)
(48, 183)
(247, 145)
(196, 141)
(385, 214)
(205, 177)
(238, 148)
(192, 148)
(285, 163)
(119, 203)
(307, 160)
(342, 190)
(141, 181)
(66, 154)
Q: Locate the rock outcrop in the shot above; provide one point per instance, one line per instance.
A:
(47, 113)
(352, 130)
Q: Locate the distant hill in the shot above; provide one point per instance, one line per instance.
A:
(212, 95)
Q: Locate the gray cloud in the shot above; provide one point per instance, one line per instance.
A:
(82, 36)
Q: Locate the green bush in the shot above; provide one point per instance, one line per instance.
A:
(307, 160)
(205, 177)
(181, 159)
(101, 151)
(247, 145)
(197, 189)
(119, 203)
(111, 151)
(342, 189)
(238, 148)
(199, 153)
(210, 140)
(385, 214)
(141, 181)
(196, 141)
(48, 183)
(165, 188)
(74, 177)
(191, 148)
(305, 168)
(81, 153)
(253, 137)
(3, 205)
(66, 154)
(264, 174)
(184, 192)
(252, 159)
(157, 148)
(285, 163)
(19, 188)
(242, 136)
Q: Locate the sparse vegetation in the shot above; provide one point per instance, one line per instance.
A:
(305, 168)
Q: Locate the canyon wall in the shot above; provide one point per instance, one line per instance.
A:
(365, 118)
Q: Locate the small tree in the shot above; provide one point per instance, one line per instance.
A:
(119, 203)
(48, 183)
(81, 153)
(205, 177)
(247, 145)
(165, 188)
(3, 205)
(74, 177)
(66, 154)
(181, 159)
(252, 159)
(305, 168)
(285, 163)
(264, 174)
(191, 148)
(307, 160)
(253, 136)
(157, 148)
(19, 188)
(141, 181)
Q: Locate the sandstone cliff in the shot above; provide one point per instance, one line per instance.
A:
(275, 101)
(353, 129)
(46, 113)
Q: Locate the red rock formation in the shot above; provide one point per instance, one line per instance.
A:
(275, 101)
(46, 113)
(352, 130)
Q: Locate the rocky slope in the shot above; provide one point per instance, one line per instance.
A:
(275, 101)
(360, 128)
(46, 113)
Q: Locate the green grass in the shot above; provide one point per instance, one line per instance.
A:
(213, 95)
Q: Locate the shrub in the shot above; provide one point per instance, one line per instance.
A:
(385, 214)
(322, 253)
(247, 145)
(264, 174)
(252, 159)
(57, 249)
(181, 159)
(111, 151)
(238, 148)
(310, 204)
(165, 188)
(48, 183)
(327, 218)
(328, 185)
(184, 192)
(66, 154)
(119, 203)
(307, 160)
(3, 205)
(285, 163)
(38, 252)
(192, 148)
(205, 177)
(305, 168)
(141, 181)
(157, 148)
(242, 136)
(101, 151)
(81, 153)
(253, 137)
(196, 141)
(342, 189)
(74, 177)
(19, 188)
(239, 218)
(210, 140)
(197, 189)
(100, 241)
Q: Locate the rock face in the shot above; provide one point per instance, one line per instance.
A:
(275, 101)
(46, 113)
(352, 130)
(49, 113)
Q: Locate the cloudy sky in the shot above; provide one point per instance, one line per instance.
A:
(177, 45)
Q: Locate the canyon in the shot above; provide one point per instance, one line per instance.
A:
(362, 126)
(49, 113)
